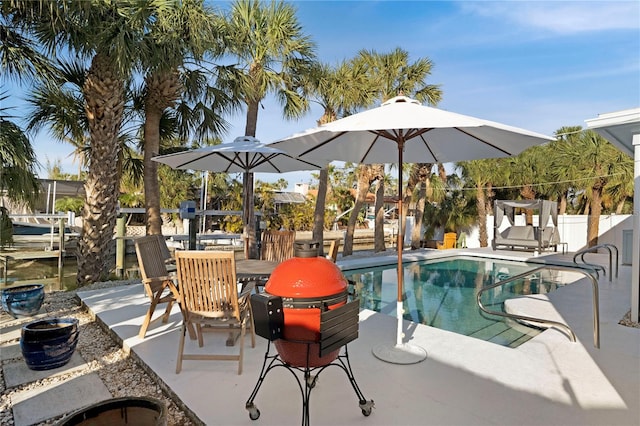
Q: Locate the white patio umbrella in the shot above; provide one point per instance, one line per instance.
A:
(244, 155)
(403, 128)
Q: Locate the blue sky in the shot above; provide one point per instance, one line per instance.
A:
(532, 64)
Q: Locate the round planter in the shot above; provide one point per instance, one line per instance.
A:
(23, 300)
(49, 343)
(137, 411)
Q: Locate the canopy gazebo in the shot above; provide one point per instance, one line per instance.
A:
(538, 237)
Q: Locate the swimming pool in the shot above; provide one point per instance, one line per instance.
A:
(442, 293)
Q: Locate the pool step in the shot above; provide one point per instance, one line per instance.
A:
(502, 334)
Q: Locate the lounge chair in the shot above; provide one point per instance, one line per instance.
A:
(152, 254)
(210, 299)
(449, 241)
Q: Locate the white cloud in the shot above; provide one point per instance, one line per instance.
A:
(563, 17)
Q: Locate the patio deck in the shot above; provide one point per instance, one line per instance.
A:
(464, 381)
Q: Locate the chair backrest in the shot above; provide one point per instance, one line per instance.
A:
(449, 240)
(333, 249)
(208, 284)
(152, 252)
(277, 246)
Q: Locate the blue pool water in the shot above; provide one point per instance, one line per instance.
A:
(442, 293)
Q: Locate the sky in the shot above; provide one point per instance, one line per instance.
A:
(538, 65)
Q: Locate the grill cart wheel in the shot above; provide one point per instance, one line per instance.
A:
(254, 413)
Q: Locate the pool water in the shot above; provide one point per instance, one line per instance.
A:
(442, 294)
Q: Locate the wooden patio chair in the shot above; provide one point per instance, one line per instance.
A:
(449, 241)
(333, 250)
(210, 301)
(152, 254)
(277, 246)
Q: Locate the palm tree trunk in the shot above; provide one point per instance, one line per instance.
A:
(593, 222)
(163, 89)
(318, 213)
(408, 194)
(361, 196)
(104, 101)
(150, 176)
(249, 217)
(379, 210)
(481, 205)
(416, 233)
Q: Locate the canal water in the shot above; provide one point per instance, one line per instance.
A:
(45, 271)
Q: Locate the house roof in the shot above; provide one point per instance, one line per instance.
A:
(288, 197)
(618, 127)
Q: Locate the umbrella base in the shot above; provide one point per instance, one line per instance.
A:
(400, 354)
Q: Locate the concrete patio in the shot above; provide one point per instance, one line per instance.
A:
(547, 380)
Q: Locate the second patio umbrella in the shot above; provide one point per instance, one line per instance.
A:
(244, 155)
(403, 128)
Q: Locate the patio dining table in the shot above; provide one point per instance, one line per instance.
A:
(254, 269)
(251, 272)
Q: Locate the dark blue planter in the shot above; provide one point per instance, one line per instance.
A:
(24, 300)
(49, 343)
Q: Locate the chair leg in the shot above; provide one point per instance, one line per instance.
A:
(252, 328)
(199, 333)
(181, 348)
(242, 331)
(167, 312)
(147, 318)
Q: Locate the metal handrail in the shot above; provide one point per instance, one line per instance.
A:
(609, 248)
(596, 306)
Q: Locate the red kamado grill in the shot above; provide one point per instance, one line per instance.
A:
(304, 311)
(308, 284)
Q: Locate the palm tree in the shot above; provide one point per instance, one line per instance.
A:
(483, 175)
(420, 179)
(17, 160)
(392, 74)
(271, 50)
(178, 36)
(338, 90)
(597, 160)
(111, 37)
(19, 59)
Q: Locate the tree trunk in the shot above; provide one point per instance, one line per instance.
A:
(416, 234)
(593, 222)
(104, 102)
(481, 205)
(361, 196)
(528, 193)
(379, 210)
(562, 206)
(162, 90)
(248, 216)
(318, 213)
(421, 176)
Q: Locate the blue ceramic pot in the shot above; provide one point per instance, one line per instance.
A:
(49, 343)
(24, 300)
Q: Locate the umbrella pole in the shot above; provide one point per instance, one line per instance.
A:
(400, 245)
(401, 353)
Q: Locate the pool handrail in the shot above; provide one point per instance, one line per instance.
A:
(586, 272)
(609, 248)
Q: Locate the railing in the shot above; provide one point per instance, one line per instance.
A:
(610, 248)
(596, 306)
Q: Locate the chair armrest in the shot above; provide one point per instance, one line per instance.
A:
(158, 279)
